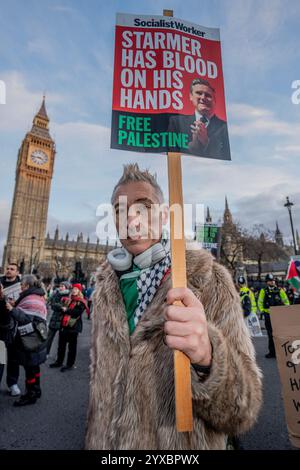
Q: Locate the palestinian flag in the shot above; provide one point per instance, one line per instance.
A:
(293, 274)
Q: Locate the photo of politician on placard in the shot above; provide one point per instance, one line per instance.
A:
(168, 90)
(207, 133)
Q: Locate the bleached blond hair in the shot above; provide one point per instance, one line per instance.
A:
(132, 173)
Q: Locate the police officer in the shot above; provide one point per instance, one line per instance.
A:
(247, 297)
(271, 296)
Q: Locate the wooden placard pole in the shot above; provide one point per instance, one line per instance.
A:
(182, 372)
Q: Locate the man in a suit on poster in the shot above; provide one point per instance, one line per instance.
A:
(207, 133)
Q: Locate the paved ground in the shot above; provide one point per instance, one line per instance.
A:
(57, 421)
(270, 432)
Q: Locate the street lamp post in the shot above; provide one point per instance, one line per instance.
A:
(289, 206)
(31, 254)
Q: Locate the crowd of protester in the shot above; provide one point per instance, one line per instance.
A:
(292, 294)
(31, 315)
(259, 296)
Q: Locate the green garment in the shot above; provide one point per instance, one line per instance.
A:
(130, 295)
(246, 291)
(261, 298)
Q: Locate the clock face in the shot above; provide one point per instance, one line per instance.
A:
(39, 157)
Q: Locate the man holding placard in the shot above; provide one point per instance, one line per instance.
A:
(136, 327)
(172, 363)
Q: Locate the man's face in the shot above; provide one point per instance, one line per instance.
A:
(271, 283)
(11, 272)
(203, 100)
(136, 228)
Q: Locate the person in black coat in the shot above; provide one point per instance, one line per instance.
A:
(57, 312)
(71, 326)
(10, 279)
(207, 133)
(30, 314)
(7, 334)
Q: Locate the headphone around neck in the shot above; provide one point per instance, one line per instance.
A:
(121, 260)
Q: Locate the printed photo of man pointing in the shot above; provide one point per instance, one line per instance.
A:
(208, 135)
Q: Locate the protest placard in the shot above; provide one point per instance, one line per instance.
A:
(253, 325)
(208, 235)
(168, 92)
(12, 292)
(286, 333)
(2, 353)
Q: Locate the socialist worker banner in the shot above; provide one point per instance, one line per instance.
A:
(168, 92)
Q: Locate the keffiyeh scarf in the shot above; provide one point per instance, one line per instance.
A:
(139, 287)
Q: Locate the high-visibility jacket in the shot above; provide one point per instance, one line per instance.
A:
(245, 291)
(271, 297)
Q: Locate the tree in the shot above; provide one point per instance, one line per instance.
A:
(259, 246)
(232, 246)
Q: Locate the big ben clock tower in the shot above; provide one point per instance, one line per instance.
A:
(28, 219)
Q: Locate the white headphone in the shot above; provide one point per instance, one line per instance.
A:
(121, 260)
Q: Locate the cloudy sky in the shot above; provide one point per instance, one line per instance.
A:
(65, 48)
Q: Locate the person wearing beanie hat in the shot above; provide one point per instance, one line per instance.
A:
(77, 286)
(70, 327)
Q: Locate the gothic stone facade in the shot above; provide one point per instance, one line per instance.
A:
(61, 255)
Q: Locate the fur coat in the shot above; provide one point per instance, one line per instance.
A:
(132, 403)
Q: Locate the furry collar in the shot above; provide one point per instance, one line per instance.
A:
(108, 294)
